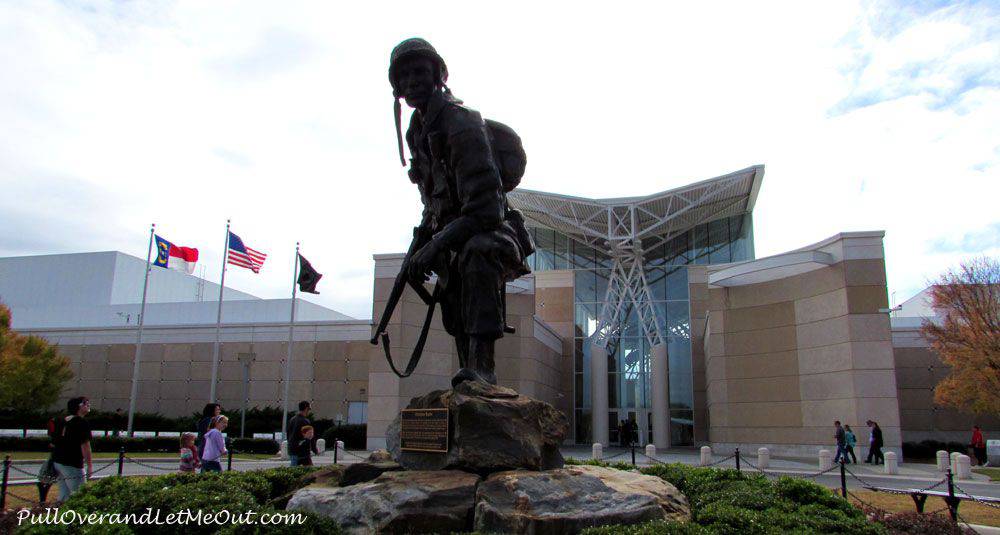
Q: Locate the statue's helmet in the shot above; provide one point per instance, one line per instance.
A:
(415, 46)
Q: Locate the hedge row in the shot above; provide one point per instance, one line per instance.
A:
(236, 492)
(927, 449)
(258, 420)
(725, 501)
(137, 445)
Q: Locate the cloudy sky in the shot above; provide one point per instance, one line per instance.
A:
(867, 116)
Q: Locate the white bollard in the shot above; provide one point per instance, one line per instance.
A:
(825, 459)
(943, 462)
(954, 462)
(706, 456)
(651, 450)
(891, 466)
(283, 450)
(964, 464)
(321, 445)
(340, 444)
(763, 458)
(596, 451)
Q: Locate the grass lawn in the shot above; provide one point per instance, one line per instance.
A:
(971, 512)
(39, 455)
(994, 473)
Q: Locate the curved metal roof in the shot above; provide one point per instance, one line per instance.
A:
(603, 222)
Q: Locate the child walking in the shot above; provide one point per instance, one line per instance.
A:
(189, 454)
(305, 445)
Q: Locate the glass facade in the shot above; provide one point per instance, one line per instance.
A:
(720, 241)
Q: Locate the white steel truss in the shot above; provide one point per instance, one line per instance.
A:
(618, 227)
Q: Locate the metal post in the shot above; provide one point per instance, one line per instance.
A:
(138, 341)
(335, 448)
(246, 385)
(291, 338)
(218, 319)
(121, 460)
(737, 459)
(229, 452)
(3, 486)
(950, 500)
(843, 478)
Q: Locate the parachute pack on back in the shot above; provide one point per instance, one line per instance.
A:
(508, 153)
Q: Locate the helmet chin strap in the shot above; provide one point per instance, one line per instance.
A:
(398, 112)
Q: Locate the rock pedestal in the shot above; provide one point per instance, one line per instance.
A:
(573, 498)
(396, 502)
(564, 500)
(491, 429)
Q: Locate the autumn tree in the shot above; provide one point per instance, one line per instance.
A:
(32, 372)
(966, 334)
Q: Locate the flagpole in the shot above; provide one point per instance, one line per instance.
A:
(138, 341)
(288, 358)
(218, 319)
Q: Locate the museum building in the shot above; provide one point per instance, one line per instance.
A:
(700, 342)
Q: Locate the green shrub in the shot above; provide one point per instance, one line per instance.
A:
(354, 436)
(235, 492)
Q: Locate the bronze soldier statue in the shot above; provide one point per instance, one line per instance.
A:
(468, 235)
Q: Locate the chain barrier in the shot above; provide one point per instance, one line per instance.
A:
(969, 495)
(356, 456)
(967, 525)
(720, 461)
(609, 457)
(53, 480)
(146, 465)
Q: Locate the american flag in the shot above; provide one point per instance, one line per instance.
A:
(243, 256)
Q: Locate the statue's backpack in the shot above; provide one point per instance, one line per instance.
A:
(508, 152)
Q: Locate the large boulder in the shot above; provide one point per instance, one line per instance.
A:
(396, 502)
(573, 498)
(364, 472)
(491, 429)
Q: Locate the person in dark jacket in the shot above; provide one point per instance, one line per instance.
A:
(875, 443)
(841, 437)
(299, 447)
(210, 411)
(472, 235)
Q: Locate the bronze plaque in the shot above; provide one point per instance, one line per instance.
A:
(424, 430)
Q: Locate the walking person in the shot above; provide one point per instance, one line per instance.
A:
(210, 411)
(190, 462)
(978, 445)
(299, 449)
(215, 445)
(305, 446)
(841, 439)
(875, 444)
(850, 440)
(72, 447)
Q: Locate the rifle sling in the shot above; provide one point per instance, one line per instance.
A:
(418, 350)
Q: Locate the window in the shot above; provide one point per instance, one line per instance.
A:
(357, 412)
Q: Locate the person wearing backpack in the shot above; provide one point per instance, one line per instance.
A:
(72, 447)
(463, 167)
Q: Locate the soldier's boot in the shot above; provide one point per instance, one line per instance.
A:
(483, 348)
(478, 364)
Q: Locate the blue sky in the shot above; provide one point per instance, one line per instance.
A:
(868, 116)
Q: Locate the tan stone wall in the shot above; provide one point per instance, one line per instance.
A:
(918, 371)
(787, 357)
(530, 361)
(174, 377)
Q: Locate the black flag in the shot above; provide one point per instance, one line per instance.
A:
(308, 277)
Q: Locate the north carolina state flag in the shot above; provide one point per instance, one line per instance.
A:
(171, 256)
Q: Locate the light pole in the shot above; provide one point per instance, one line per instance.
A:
(246, 359)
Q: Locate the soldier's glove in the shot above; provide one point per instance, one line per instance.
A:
(423, 261)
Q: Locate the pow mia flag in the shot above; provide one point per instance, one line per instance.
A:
(308, 277)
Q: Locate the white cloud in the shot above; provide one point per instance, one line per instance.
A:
(189, 113)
